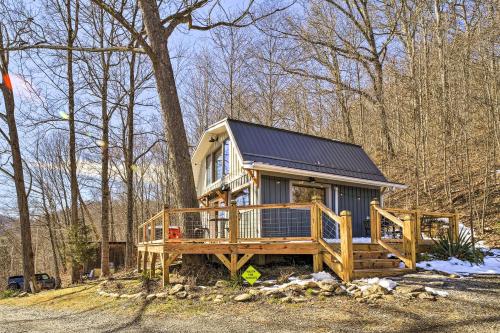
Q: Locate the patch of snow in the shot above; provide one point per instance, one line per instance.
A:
(321, 276)
(385, 283)
(456, 266)
(316, 277)
(355, 240)
(436, 292)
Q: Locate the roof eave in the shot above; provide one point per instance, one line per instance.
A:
(274, 168)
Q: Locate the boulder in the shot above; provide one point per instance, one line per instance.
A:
(327, 286)
(275, 293)
(219, 299)
(286, 299)
(427, 296)
(305, 276)
(310, 285)
(175, 289)
(326, 294)
(162, 295)
(23, 294)
(221, 284)
(340, 291)
(150, 297)
(181, 294)
(412, 288)
(243, 297)
(115, 295)
(299, 299)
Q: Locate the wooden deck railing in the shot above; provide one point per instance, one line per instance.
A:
(410, 224)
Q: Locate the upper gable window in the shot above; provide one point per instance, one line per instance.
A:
(217, 163)
(225, 146)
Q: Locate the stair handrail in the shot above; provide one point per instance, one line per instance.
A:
(345, 257)
(409, 234)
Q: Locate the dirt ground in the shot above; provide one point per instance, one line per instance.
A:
(473, 305)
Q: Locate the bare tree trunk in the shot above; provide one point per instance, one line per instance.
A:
(175, 134)
(72, 27)
(17, 165)
(105, 171)
(129, 163)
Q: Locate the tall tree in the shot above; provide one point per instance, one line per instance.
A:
(17, 161)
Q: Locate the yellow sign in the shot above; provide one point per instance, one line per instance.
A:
(251, 275)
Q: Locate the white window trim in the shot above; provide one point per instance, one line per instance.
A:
(326, 186)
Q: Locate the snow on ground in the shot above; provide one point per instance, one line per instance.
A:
(316, 277)
(385, 283)
(455, 266)
(355, 240)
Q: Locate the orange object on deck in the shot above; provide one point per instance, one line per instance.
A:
(174, 233)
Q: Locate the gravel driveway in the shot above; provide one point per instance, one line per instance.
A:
(472, 306)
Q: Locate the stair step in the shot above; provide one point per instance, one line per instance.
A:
(366, 273)
(376, 263)
(370, 255)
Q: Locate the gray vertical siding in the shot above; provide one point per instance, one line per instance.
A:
(357, 201)
(282, 222)
(295, 222)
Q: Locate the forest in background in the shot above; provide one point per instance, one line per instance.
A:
(414, 82)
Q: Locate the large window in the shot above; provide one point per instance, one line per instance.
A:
(217, 163)
(208, 169)
(226, 157)
(242, 197)
(305, 193)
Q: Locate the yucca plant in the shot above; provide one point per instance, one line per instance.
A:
(445, 247)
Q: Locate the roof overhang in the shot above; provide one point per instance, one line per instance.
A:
(251, 165)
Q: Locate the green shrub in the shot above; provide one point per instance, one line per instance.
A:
(8, 293)
(445, 247)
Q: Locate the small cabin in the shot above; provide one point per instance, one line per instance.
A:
(254, 164)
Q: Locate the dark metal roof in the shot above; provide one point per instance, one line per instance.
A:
(284, 148)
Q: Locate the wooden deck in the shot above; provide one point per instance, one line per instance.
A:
(384, 256)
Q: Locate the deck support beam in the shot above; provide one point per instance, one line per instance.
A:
(152, 272)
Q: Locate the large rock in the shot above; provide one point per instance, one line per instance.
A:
(275, 293)
(299, 299)
(175, 289)
(340, 291)
(407, 289)
(310, 285)
(181, 294)
(162, 295)
(219, 299)
(243, 297)
(327, 286)
(221, 284)
(427, 296)
(150, 297)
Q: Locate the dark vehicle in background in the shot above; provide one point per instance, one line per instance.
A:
(43, 281)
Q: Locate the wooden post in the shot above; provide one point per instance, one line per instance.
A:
(418, 225)
(166, 224)
(346, 245)
(316, 233)
(152, 234)
(233, 222)
(139, 268)
(455, 227)
(165, 269)
(374, 228)
(152, 272)
(234, 265)
(409, 242)
(145, 260)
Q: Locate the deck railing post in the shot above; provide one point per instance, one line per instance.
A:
(233, 222)
(316, 232)
(166, 224)
(346, 245)
(409, 241)
(454, 229)
(152, 233)
(374, 228)
(418, 225)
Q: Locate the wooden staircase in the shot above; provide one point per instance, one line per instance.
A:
(371, 260)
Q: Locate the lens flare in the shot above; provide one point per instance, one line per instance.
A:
(6, 81)
(63, 115)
